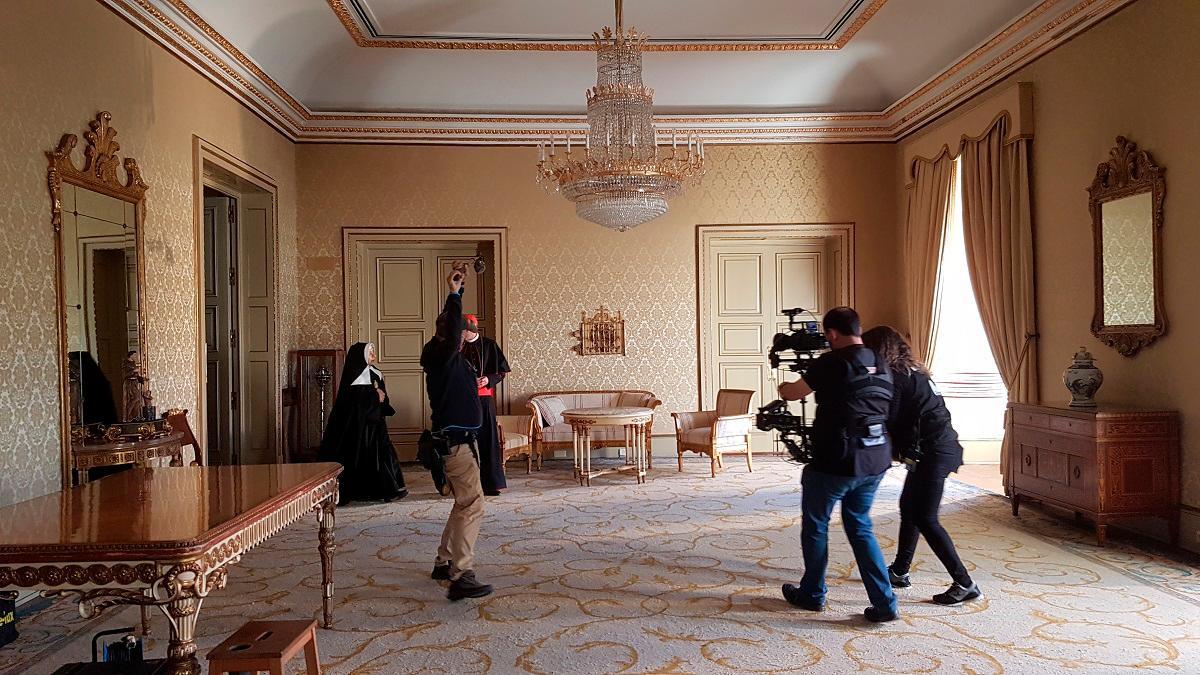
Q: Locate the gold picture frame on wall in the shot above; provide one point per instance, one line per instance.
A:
(1126, 204)
(99, 174)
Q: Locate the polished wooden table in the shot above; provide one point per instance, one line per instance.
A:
(96, 455)
(634, 420)
(162, 537)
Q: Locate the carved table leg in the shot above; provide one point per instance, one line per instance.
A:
(181, 646)
(1016, 503)
(326, 546)
(649, 447)
(1101, 532)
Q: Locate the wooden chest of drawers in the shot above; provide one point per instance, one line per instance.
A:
(1104, 463)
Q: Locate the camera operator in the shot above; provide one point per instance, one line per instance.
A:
(850, 455)
(926, 441)
(454, 398)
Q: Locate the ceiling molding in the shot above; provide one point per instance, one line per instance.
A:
(360, 26)
(173, 24)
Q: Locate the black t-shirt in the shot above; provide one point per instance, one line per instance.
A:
(919, 417)
(833, 452)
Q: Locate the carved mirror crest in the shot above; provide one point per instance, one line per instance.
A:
(1126, 203)
(97, 218)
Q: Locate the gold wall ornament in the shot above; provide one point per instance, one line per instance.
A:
(603, 333)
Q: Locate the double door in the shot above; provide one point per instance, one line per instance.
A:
(401, 288)
(745, 289)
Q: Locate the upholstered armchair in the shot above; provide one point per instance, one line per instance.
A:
(516, 433)
(716, 432)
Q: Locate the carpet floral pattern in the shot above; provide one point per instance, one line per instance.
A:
(682, 575)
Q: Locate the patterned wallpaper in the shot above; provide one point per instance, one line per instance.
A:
(60, 64)
(560, 265)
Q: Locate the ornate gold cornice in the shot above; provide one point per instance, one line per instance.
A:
(223, 63)
(346, 16)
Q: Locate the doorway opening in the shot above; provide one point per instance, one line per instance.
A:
(395, 288)
(962, 360)
(240, 402)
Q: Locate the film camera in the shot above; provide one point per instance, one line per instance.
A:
(794, 350)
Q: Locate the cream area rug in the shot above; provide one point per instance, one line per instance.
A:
(682, 575)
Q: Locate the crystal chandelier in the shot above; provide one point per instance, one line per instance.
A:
(618, 176)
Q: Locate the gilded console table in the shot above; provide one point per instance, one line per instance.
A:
(635, 421)
(96, 455)
(162, 537)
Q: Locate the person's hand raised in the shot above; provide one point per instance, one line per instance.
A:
(455, 280)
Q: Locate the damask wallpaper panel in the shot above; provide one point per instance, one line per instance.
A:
(560, 265)
(1085, 95)
(61, 63)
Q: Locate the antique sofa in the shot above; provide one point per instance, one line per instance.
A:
(550, 433)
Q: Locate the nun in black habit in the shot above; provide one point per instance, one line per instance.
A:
(357, 435)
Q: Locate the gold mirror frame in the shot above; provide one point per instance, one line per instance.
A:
(1127, 172)
(99, 174)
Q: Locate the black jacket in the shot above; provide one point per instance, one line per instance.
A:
(449, 376)
(919, 419)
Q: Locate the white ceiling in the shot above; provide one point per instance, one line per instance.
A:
(307, 50)
(511, 71)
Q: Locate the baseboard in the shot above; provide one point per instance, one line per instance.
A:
(1189, 528)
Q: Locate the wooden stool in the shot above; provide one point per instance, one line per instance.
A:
(266, 645)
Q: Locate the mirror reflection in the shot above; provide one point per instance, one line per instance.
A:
(1128, 264)
(100, 297)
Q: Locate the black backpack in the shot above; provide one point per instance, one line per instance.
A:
(868, 401)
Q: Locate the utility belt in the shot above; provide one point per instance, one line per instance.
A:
(434, 446)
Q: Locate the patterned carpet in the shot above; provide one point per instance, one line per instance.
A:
(682, 575)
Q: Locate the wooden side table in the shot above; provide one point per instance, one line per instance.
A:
(94, 455)
(635, 421)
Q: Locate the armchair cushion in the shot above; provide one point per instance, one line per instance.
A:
(697, 436)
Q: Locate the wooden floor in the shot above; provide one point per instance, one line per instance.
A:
(985, 476)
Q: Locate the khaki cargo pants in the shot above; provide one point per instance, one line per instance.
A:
(466, 516)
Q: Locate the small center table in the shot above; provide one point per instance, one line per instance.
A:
(162, 537)
(635, 421)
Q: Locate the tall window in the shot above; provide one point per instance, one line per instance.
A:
(962, 361)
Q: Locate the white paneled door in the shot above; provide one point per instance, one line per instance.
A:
(746, 286)
(400, 289)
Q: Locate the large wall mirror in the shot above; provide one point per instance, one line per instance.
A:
(97, 218)
(1127, 217)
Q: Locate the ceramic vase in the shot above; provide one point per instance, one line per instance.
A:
(1083, 380)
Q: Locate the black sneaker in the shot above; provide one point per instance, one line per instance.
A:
(898, 580)
(467, 586)
(958, 594)
(791, 593)
(877, 615)
(440, 572)
(396, 497)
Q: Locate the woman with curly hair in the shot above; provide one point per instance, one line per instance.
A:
(926, 442)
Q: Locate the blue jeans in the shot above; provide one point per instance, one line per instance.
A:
(820, 492)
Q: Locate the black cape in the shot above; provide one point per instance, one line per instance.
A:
(95, 391)
(487, 359)
(357, 435)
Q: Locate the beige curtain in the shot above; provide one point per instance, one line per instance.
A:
(998, 229)
(929, 198)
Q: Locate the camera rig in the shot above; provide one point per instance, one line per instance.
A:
(794, 350)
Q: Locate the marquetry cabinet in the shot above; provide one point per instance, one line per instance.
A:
(1103, 464)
